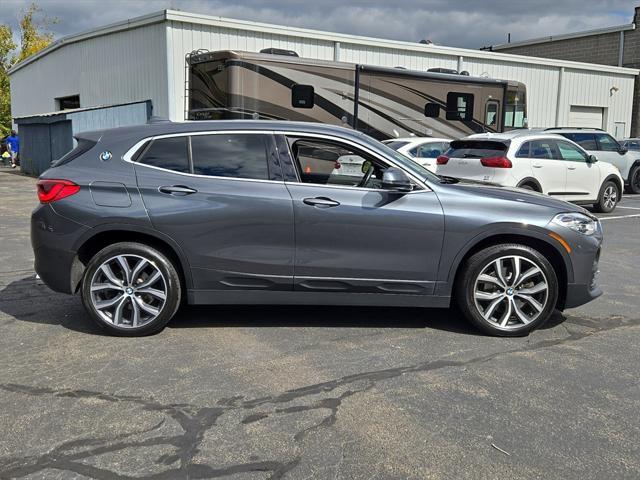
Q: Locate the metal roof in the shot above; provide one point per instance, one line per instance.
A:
(192, 18)
(566, 36)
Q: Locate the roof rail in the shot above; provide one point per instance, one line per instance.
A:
(573, 128)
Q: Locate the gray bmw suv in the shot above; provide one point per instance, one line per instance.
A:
(138, 220)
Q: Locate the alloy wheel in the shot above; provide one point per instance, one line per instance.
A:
(610, 197)
(128, 291)
(510, 292)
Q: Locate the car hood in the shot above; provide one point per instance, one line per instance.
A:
(516, 195)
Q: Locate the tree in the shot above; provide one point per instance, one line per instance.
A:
(33, 38)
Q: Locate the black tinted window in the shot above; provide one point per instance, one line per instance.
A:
(459, 106)
(170, 153)
(83, 146)
(607, 143)
(544, 149)
(475, 149)
(585, 140)
(230, 155)
(396, 144)
(524, 150)
(302, 96)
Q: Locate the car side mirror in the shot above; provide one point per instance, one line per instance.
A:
(592, 159)
(622, 150)
(396, 180)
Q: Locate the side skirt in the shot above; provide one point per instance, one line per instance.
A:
(244, 297)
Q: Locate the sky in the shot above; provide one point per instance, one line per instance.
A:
(469, 24)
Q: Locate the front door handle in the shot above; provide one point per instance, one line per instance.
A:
(537, 165)
(571, 168)
(322, 202)
(177, 190)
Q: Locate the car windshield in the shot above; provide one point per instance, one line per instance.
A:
(408, 164)
(395, 144)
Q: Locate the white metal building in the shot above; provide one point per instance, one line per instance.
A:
(143, 59)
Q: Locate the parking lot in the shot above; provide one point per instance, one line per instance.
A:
(316, 392)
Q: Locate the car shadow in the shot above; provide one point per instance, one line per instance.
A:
(30, 301)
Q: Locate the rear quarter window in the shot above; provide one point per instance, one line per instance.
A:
(83, 146)
(168, 153)
(476, 149)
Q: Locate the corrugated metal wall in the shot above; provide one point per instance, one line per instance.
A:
(579, 87)
(127, 66)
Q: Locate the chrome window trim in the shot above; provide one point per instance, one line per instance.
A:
(129, 153)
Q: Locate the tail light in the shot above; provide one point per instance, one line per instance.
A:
(442, 159)
(496, 162)
(52, 190)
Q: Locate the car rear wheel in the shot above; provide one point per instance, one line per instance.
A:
(608, 198)
(634, 180)
(131, 289)
(507, 290)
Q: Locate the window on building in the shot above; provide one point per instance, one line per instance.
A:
(168, 153)
(230, 155)
(459, 106)
(67, 103)
(302, 96)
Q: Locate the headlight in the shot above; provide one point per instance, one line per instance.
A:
(577, 222)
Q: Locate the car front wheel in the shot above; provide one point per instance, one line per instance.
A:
(507, 290)
(634, 180)
(131, 289)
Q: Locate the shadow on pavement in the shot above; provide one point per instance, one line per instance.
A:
(26, 300)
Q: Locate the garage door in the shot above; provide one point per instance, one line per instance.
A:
(586, 117)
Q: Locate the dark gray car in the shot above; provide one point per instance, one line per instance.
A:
(139, 219)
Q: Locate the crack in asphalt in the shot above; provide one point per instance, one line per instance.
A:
(196, 421)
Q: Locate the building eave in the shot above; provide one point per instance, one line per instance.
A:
(565, 36)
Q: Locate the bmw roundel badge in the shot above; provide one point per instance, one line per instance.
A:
(105, 156)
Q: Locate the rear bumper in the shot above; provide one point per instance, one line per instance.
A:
(52, 239)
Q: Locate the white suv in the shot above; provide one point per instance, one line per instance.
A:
(545, 163)
(607, 149)
(422, 150)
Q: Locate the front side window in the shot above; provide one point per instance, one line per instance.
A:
(571, 152)
(607, 143)
(328, 163)
(168, 153)
(585, 140)
(459, 106)
(230, 155)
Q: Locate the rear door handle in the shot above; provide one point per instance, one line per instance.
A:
(177, 190)
(571, 168)
(322, 202)
(537, 165)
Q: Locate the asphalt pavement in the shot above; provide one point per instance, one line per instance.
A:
(316, 392)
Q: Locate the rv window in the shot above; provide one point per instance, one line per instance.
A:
(168, 153)
(302, 96)
(232, 155)
(459, 106)
(432, 110)
(491, 116)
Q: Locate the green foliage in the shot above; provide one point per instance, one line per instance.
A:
(33, 38)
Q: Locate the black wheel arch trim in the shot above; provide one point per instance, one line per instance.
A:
(614, 179)
(111, 227)
(447, 276)
(532, 180)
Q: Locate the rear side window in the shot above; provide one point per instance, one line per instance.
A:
(230, 155)
(544, 149)
(585, 140)
(476, 149)
(83, 146)
(168, 153)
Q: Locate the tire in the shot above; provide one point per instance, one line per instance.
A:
(608, 197)
(140, 302)
(634, 180)
(495, 307)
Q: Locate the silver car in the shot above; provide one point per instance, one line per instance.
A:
(139, 220)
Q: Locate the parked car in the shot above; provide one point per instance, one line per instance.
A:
(423, 150)
(139, 219)
(545, 163)
(631, 144)
(606, 148)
